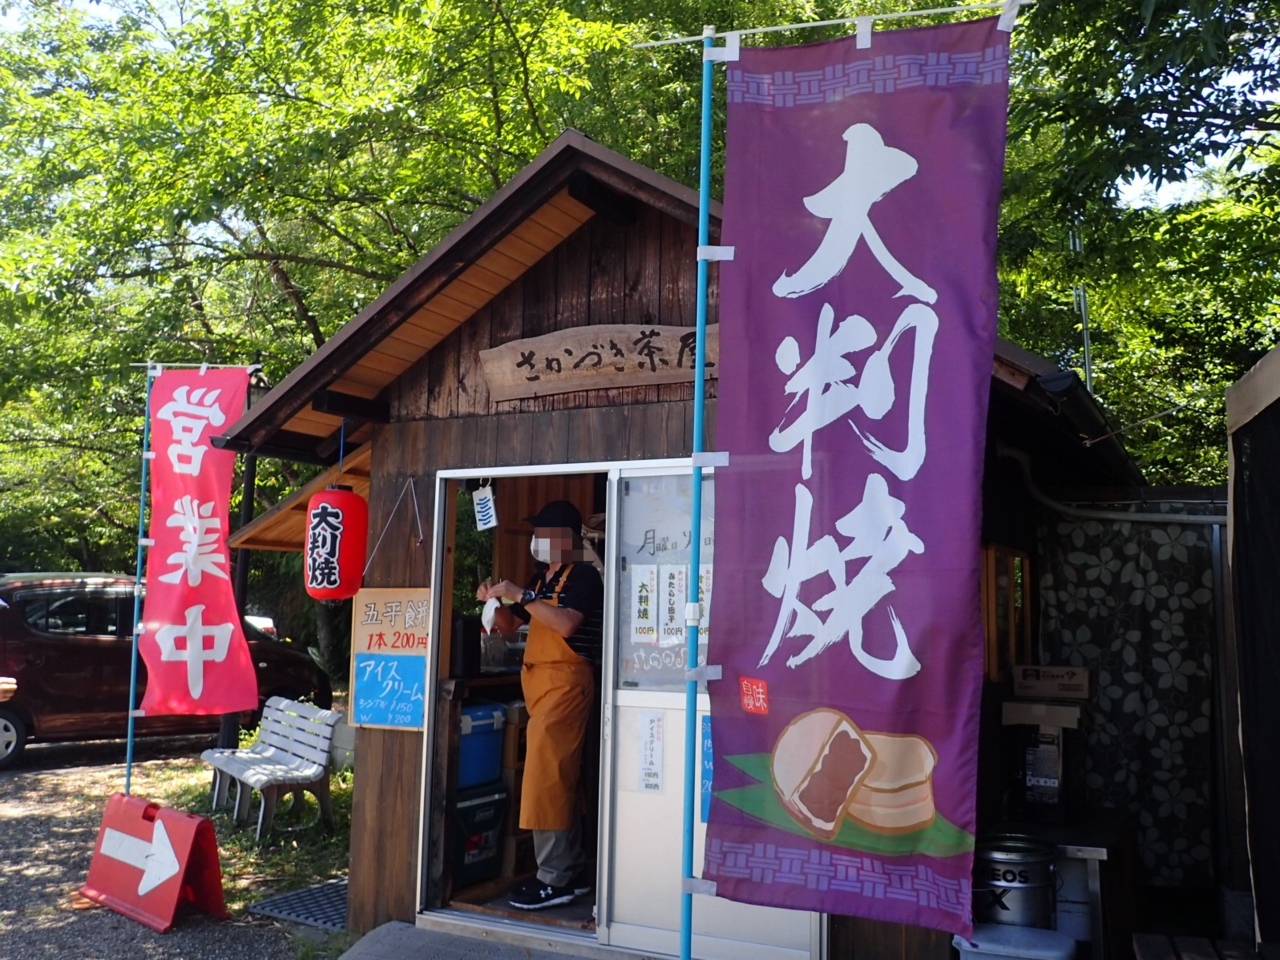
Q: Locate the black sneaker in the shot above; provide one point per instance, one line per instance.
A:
(536, 895)
(581, 883)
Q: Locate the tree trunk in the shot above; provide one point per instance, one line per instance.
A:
(333, 633)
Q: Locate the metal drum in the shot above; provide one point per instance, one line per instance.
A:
(1014, 881)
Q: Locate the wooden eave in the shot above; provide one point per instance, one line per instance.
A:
(1017, 367)
(524, 221)
(1254, 392)
(284, 526)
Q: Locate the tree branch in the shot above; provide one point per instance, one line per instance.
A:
(293, 294)
(333, 231)
(280, 256)
(57, 443)
(523, 57)
(391, 225)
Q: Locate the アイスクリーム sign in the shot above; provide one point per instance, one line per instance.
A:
(390, 643)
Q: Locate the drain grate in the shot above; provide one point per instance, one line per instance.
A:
(321, 906)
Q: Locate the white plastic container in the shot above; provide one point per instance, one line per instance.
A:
(1073, 920)
(998, 941)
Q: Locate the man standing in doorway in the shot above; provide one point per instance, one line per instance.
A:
(562, 605)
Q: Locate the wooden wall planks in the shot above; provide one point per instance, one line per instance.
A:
(441, 387)
(608, 252)
(852, 938)
(642, 274)
(678, 281)
(540, 295)
(573, 281)
(473, 336)
(383, 843)
(386, 804)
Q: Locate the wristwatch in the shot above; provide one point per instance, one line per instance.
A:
(528, 596)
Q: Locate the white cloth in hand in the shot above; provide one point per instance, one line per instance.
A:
(487, 614)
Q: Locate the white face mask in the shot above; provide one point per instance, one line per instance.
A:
(540, 547)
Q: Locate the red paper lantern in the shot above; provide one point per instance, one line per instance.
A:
(337, 540)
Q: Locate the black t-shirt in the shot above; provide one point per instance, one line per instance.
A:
(583, 590)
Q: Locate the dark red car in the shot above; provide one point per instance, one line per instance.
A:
(67, 639)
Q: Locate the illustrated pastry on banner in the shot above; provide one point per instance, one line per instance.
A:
(818, 763)
(826, 770)
(897, 794)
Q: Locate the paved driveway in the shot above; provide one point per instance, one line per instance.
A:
(50, 810)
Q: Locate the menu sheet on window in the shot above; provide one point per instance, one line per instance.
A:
(655, 546)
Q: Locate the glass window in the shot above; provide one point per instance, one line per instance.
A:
(123, 604)
(654, 547)
(80, 613)
(58, 613)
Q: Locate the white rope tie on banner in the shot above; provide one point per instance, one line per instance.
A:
(702, 888)
(710, 252)
(408, 485)
(726, 54)
(711, 458)
(1008, 13)
(863, 28)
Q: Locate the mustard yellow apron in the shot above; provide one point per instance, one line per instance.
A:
(559, 692)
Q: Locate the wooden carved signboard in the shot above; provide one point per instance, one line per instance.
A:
(595, 358)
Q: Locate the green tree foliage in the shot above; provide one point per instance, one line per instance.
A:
(1146, 87)
(227, 188)
(1183, 300)
(232, 181)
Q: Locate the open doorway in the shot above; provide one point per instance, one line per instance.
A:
(478, 853)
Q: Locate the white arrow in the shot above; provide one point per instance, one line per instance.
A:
(155, 858)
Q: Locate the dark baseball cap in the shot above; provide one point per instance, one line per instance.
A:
(558, 513)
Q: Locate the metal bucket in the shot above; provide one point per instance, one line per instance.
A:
(1014, 881)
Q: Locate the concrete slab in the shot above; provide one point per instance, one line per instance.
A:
(404, 941)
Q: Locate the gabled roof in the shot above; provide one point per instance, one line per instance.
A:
(571, 181)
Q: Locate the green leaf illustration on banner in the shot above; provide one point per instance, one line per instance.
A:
(941, 838)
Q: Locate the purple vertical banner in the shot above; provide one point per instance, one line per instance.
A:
(857, 332)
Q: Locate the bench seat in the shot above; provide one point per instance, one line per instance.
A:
(290, 755)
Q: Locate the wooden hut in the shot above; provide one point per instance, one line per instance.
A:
(522, 350)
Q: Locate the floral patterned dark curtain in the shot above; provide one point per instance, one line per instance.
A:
(1135, 602)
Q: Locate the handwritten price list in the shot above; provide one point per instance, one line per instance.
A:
(390, 643)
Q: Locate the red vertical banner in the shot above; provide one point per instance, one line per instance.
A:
(858, 321)
(192, 643)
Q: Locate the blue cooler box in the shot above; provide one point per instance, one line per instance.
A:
(480, 753)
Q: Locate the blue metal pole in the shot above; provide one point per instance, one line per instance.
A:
(695, 556)
(152, 373)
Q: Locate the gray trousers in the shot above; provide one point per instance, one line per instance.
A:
(559, 854)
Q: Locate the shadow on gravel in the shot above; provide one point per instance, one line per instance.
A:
(50, 811)
(56, 756)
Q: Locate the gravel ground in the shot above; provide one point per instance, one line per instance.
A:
(50, 811)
